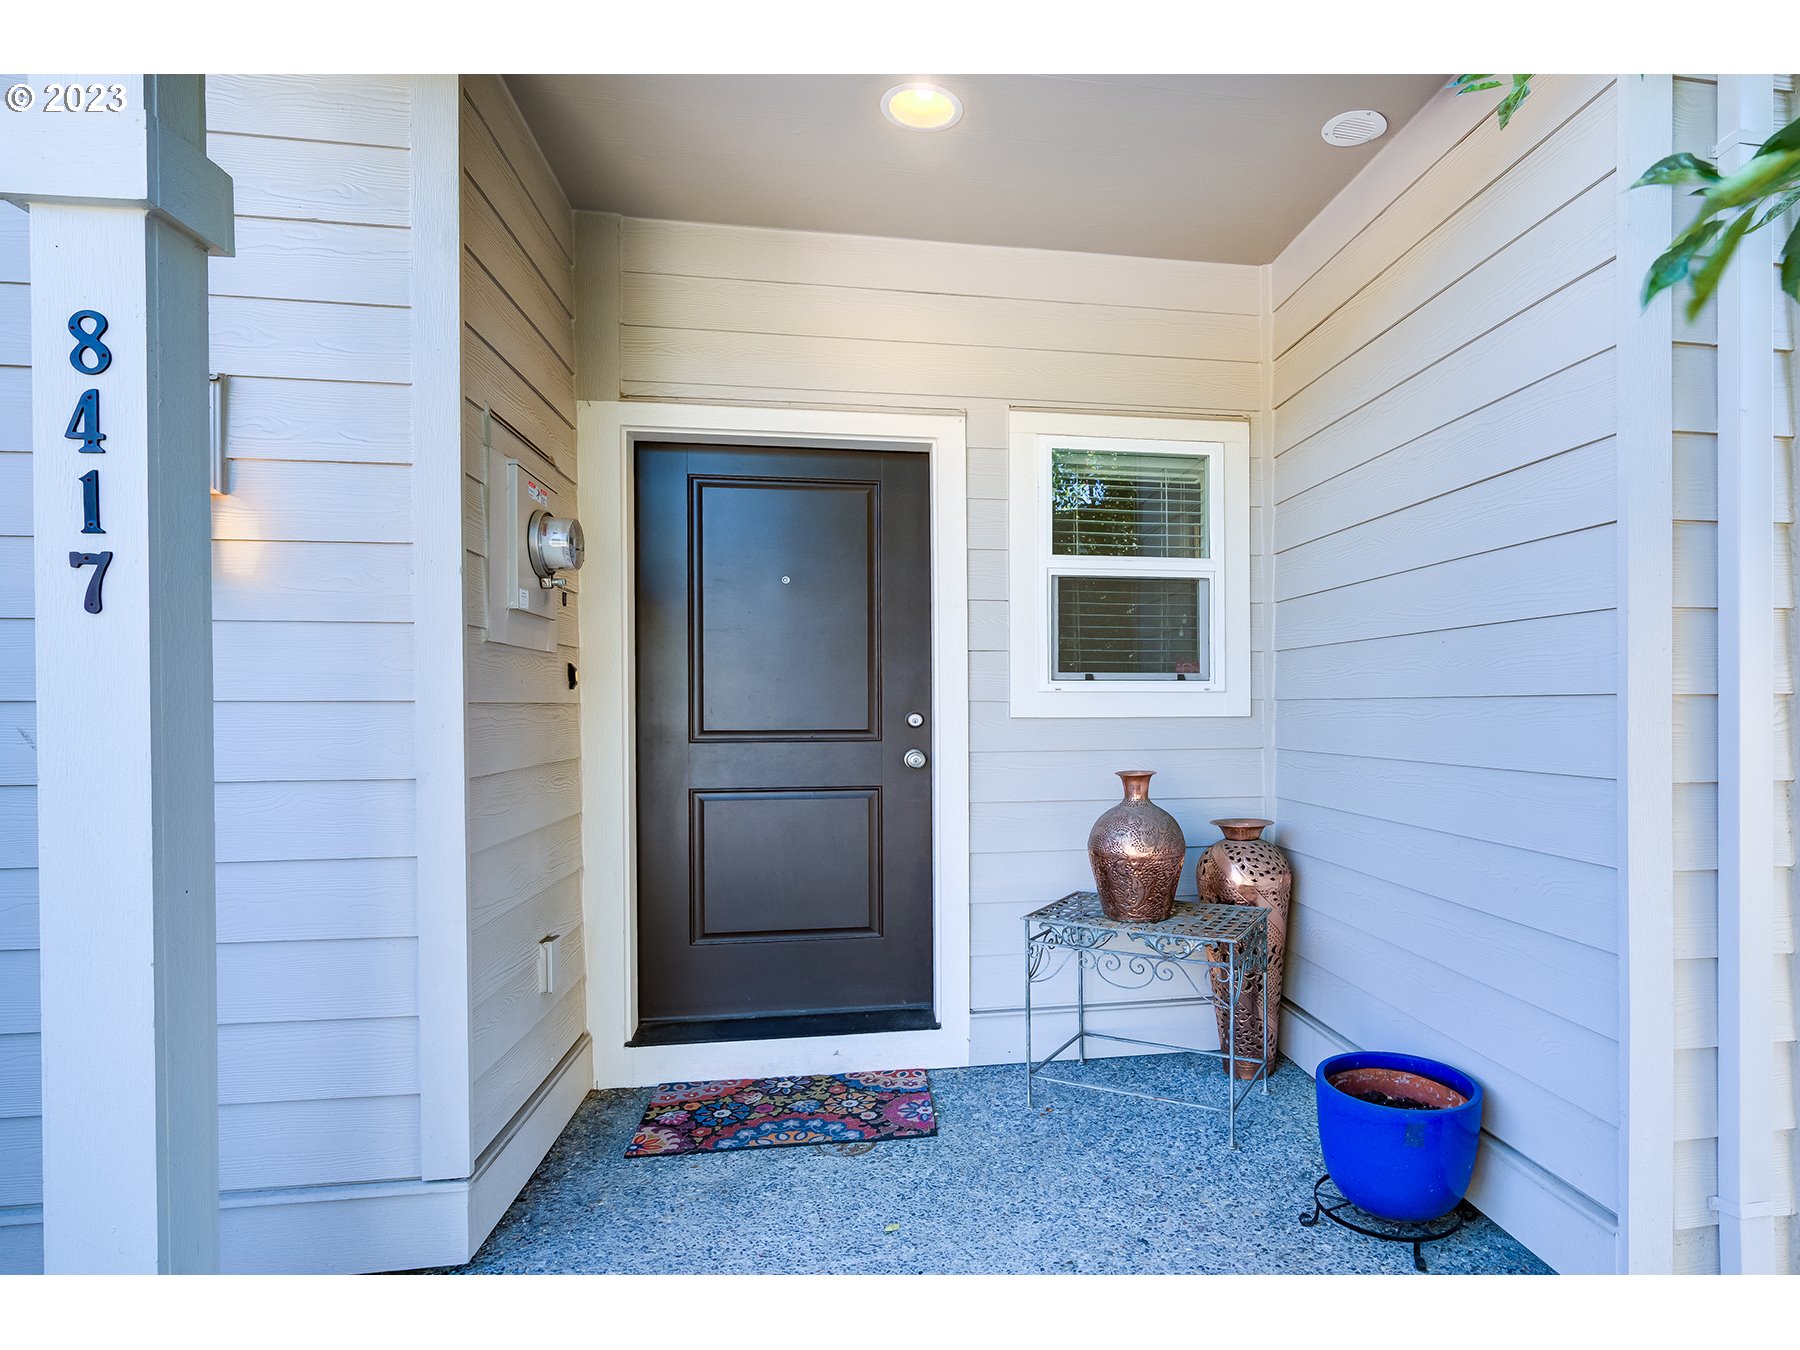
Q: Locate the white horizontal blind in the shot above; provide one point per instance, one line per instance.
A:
(1139, 628)
(1130, 504)
(1130, 549)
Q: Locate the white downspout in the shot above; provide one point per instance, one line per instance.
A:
(1265, 449)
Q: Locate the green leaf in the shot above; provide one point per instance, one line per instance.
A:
(1681, 168)
(1782, 203)
(1706, 280)
(1761, 191)
(1762, 175)
(1462, 88)
(1788, 138)
(1509, 105)
(1699, 232)
(1673, 266)
(1790, 263)
(1464, 84)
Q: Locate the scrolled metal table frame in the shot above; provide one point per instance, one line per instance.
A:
(1227, 940)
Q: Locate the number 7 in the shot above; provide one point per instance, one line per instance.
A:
(99, 562)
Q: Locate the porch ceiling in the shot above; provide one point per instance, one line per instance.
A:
(1216, 168)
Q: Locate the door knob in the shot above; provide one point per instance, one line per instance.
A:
(914, 759)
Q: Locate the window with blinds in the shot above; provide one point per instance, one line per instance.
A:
(1131, 628)
(1125, 504)
(1128, 548)
(1130, 565)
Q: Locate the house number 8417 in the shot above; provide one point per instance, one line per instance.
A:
(90, 356)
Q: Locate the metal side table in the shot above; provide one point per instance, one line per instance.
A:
(1227, 942)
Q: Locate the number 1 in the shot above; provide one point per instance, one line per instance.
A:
(90, 502)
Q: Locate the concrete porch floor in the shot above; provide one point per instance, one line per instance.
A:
(1084, 1184)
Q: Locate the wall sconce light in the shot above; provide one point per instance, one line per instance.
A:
(221, 483)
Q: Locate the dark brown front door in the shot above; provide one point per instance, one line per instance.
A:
(783, 644)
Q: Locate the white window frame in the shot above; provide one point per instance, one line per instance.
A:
(1226, 444)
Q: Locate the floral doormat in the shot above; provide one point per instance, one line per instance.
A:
(732, 1113)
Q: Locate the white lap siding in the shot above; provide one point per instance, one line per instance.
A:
(313, 638)
(755, 316)
(1444, 591)
(523, 737)
(21, 1151)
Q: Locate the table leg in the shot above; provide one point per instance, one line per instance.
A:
(1080, 1008)
(1231, 993)
(1028, 1016)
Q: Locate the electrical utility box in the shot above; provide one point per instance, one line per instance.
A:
(532, 540)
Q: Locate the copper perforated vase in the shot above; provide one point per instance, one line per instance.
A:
(1243, 868)
(1136, 850)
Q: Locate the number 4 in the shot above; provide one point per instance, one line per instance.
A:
(84, 424)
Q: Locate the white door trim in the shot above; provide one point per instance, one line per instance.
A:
(606, 433)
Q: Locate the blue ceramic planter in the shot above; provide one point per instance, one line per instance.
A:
(1395, 1163)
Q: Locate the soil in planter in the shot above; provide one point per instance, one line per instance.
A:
(1392, 1087)
(1380, 1098)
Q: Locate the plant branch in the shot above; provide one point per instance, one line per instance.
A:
(1769, 183)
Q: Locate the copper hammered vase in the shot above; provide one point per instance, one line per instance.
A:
(1136, 850)
(1243, 868)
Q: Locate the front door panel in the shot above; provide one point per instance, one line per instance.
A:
(784, 636)
(757, 605)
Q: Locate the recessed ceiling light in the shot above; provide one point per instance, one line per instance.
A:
(921, 107)
(1357, 127)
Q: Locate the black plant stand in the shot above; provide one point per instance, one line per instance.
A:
(1329, 1203)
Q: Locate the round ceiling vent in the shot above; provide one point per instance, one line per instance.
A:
(1354, 128)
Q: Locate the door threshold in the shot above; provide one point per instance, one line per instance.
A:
(792, 1027)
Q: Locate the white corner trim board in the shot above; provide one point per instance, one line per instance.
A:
(445, 1141)
(1646, 875)
(1226, 444)
(606, 433)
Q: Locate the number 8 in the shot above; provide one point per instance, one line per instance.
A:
(88, 343)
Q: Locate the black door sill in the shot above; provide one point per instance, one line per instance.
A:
(784, 1028)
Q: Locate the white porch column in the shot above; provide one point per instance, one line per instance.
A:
(124, 209)
(1646, 684)
(1746, 1201)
